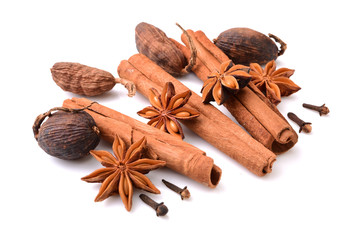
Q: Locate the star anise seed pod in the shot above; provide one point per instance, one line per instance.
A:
(123, 171)
(227, 81)
(273, 84)
(167, 108)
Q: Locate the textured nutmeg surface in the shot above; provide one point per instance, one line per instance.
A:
(245, 46)
(69, 135)
(153, 43)
(81, 79)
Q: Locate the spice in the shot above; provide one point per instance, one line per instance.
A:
(221, 84)
(84, 80)
(184, 192)
(212, 125)
(249, 106)
(124, 171)
(160, 208)
(245, 46)
(179, 155)
(304, 126)
(153, 43)
(67, 134)
(167, 108)
(323, 110)
(273, 84)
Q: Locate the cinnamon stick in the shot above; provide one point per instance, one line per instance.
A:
(249, 107)
(180, 156)
(212, 125)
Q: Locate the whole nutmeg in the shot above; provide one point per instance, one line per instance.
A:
(245, 46)
(153, 43)
(84, 80)
(66, 134)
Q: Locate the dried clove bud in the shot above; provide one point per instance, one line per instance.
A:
(67, 134)
(304, 126)
(184, 192)
(160, 208)
(245, 46)
(84, 80)
(153, 43)
(323, 110)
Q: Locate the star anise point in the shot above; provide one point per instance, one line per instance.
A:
(167, 108)
(221, 83)
(123, 171)
(273, 83)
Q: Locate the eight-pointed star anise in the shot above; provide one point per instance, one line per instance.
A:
(167, 108)
(273, 84)
(227, 81)
(123, 171)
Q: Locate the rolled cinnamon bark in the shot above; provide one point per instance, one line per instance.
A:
(249, 107)
(212, 125)
(180, 156)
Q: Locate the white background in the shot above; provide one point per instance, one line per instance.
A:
(312, 192)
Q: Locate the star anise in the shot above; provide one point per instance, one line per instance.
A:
(167, 108)
(227, 81)
(123, 171)
(273, 84)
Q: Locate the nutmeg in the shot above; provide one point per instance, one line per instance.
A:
(245, 46)
(153, 43)
(84, 80)
(66, 134)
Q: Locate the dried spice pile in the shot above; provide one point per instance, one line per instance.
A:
(238, 70)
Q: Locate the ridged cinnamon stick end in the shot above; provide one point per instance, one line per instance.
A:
(268, 168)
(215, 176)
(286, 136)
(286, 140)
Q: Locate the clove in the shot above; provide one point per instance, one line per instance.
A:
(160, 208)
(323, 110)
(304, 126)
(184, 192)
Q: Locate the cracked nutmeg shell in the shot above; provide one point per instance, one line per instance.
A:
(68, 135)
(245, 46)
(153, 43)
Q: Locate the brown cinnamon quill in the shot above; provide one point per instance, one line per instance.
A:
(180, 156)
(212, 125)
(249, 106)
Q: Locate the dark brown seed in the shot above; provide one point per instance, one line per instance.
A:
(68, 135)
(153, 43)
(245, 46)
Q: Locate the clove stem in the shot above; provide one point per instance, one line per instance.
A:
(184, 192)
(304, 126)
(323, 110)
(160, 208)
